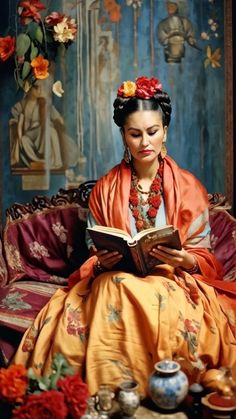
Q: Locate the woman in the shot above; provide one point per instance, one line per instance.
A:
(114, 325)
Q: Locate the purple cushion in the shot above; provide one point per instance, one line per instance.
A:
(3, 268)
(46, 245)
(223, 241)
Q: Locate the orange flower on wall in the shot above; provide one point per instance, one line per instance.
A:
(113, 10)
(40, 67)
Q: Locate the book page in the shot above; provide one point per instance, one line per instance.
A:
(111, 231)
(163, 230)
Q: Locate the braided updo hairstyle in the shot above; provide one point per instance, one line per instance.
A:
(125, 106)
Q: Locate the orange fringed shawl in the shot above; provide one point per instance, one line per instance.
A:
(185, 200)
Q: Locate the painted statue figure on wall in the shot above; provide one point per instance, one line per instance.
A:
(30, 126)
(173, 32)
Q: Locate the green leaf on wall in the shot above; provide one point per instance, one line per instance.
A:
(35, 32)
(22, 44)
(32, 27)
(33, 52)
(39, 35)
(25, 70)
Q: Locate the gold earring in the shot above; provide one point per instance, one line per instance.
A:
(163, 152)
(127, 155)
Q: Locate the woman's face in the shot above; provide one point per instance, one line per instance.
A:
(143, 133)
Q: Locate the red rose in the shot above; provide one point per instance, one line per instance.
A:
(54, 18)
(7, 47)
(13, 383)
(48, 404)
(147, 87)
(155, 201)
(156, 184)
(152, 212)
(29, 10)
(133, 199)
(136, 213)
(76, 394)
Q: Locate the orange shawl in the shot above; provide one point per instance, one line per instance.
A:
(185, 200)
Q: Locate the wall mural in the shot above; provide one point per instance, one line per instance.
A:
(181, 42)
(173, 32)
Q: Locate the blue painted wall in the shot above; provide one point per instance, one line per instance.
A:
(120, 44)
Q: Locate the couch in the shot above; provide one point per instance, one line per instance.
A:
(43, 242)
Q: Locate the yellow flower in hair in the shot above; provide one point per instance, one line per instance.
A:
(127, 89)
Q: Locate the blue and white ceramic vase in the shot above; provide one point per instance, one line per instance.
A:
(168, 385)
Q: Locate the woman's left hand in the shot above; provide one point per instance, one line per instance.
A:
(176, 258)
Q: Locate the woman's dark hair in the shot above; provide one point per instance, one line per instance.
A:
(125, 106)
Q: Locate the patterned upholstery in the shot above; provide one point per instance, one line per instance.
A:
(223, 241)
(43, 242)
(19, 304)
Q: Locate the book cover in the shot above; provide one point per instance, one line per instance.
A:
(135, 250)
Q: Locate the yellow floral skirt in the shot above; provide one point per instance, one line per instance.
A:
(117, 326)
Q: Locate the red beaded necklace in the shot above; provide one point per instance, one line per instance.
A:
(137, 203)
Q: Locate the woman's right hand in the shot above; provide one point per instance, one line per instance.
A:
(108, 259)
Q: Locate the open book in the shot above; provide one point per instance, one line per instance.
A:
(135, 250)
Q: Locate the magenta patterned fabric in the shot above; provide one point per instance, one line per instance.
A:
(3, 267)
(223, 241)
(20, 302)
(45, 246)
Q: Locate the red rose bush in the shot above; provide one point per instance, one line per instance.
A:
(60, 395)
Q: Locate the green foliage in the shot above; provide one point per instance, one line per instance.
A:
(34, 51)
(25, 70)
(22, 44)
(60, 369)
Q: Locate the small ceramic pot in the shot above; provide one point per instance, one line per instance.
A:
(168, 385)
(128, 398)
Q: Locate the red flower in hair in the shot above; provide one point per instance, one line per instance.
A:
(147, 87)
(144, 88)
